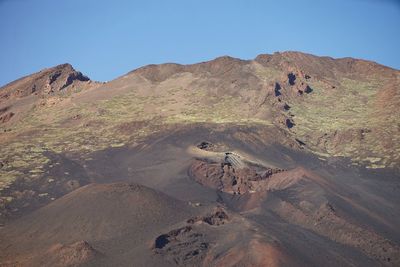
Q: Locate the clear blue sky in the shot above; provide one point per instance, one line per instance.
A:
(105, 39)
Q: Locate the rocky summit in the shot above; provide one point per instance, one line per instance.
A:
(288, 159)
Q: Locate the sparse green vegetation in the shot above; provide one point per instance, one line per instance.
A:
(332, 121)
(347, 116)
(50, 128)
(8, 177)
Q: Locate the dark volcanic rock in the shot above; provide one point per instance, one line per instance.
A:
(183, 246)
(6, 117)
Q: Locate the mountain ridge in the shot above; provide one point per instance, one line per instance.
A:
(259, 56)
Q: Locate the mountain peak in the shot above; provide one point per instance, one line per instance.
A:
(46, 81)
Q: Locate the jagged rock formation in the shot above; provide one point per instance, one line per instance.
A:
(46, 82)
(44, 87)
(230, 179)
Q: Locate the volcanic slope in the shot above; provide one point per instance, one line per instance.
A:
(278, 207)
(109, 220)
(301, 152)
(123, 224)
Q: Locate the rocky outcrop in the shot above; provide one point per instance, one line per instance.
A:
(227, 178)
(42, 89)
(218, 217)
(183, 246)
(45, 82)
(190, 244)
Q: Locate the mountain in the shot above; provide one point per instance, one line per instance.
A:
(286, 160)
